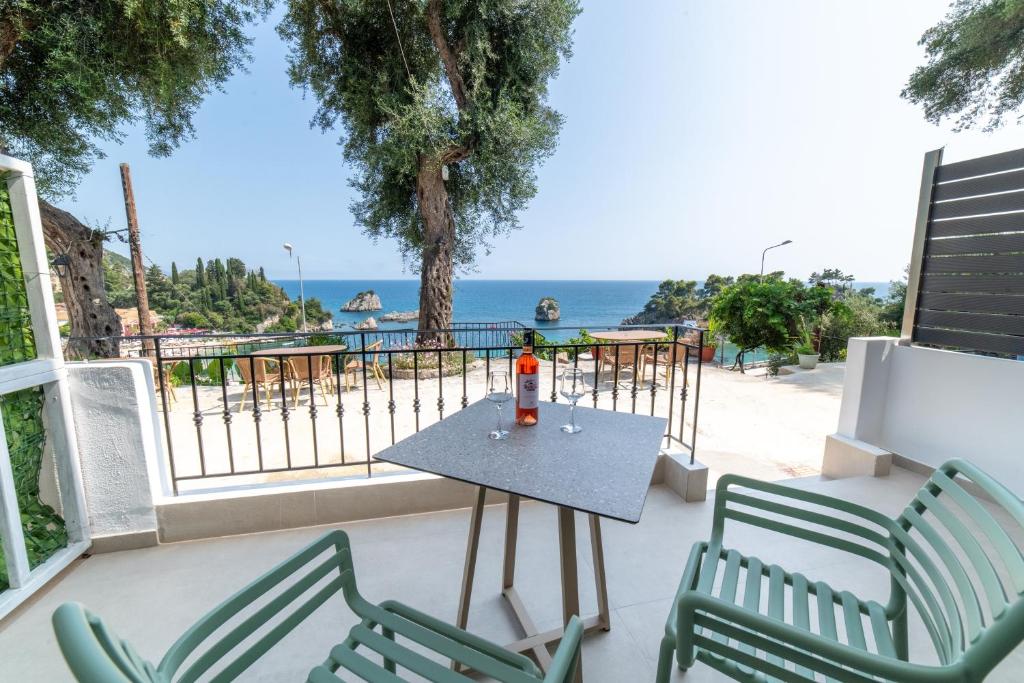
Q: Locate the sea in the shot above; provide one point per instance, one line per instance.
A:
(583, 303)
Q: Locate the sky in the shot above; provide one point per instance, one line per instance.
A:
(695, 135)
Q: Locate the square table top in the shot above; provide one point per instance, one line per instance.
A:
(605, 469)
(326, 349)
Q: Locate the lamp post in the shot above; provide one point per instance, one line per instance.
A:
(302, 298)
(780, 244)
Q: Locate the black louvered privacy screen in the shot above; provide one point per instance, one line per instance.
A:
(970, 292)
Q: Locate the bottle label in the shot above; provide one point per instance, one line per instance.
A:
(529, 390)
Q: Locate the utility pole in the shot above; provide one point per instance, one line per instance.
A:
(138, 272)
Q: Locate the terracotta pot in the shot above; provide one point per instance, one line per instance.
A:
(707, 354)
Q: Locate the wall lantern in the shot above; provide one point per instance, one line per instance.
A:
(60, 265)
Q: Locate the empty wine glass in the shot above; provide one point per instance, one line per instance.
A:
(499, 392)
(573, 388)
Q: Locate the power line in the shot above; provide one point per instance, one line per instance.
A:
(399, 39)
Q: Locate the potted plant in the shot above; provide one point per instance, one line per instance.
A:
(707, 353)
(805, 352)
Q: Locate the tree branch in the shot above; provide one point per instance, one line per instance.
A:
(448, 57)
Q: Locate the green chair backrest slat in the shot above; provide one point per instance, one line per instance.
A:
(336, 542)
(1009, 553)
(931, 529)
(262, 616)
(967, 543)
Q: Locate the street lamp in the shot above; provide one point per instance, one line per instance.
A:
(780, 244)
(302, 298)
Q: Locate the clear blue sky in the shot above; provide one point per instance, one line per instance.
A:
(696, 133)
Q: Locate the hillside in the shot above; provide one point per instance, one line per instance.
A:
(218, 295)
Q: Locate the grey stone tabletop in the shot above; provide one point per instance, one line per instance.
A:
(605, 469)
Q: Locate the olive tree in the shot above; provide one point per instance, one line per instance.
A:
(443, 107)
(975, 68)
(74, 75)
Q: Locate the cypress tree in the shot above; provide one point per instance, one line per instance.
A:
(174, 273)
(200, 274)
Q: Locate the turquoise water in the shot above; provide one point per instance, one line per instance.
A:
(583, 303)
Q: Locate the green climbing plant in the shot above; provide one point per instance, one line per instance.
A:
(22, 411)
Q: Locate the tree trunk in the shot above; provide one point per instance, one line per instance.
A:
(438, 244)
(95, 325)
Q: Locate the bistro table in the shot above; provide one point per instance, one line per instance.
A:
(326, 349)
(603, 471)
(629, 335)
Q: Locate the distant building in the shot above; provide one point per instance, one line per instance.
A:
(130, 320)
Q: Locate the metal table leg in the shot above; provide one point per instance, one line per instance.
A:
(535, 642)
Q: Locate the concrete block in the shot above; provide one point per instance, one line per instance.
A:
(689, 481)
(847, 457)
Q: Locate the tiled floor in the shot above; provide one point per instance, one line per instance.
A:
(150, 596)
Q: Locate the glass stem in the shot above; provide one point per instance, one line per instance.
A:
(572, 415)
(499, 419)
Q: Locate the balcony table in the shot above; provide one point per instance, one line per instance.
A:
(326, 349)
(603, 471)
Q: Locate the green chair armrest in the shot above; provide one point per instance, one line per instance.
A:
(465, 637)
(567, 656)
(760, 632)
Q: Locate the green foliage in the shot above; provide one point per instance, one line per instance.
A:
(22, 411)
(117, 277)
(892, 310)
(73, 75)
(860, 315)
(770, 314)
(975, 71)
(831, 277)
(404, 115)
(225, 295)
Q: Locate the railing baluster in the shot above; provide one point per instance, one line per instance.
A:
(340, 361)
(391, 398)
(673, 359)
(615, 380)
(440, 386)
(366, 407)
(654, 377)
(465, 370)
(554, 374)
(164, 388)
(312, 404)
(226, 414)
(636, 371)
(682, 395)
(597, 373)
(284, 410)
(197, 418)
(416, 387)
(257, 413)
(696, 397)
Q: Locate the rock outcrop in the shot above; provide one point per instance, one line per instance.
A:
(368, 324)
(400, 316)
(363, 301)
(547, 309)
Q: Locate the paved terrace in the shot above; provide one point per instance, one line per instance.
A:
(768, 428)
(150, 596)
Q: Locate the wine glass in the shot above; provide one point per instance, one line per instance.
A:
(573, 388)
(499, 392)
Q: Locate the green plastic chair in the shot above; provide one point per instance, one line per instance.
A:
(950, 555)
(210, 650)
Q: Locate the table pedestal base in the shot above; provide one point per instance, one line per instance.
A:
(533, 641)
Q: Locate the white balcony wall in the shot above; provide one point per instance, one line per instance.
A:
(117, 429)
(930, 405)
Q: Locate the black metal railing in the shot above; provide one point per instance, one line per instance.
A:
(331, 410)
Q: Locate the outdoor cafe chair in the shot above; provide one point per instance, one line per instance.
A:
(355, 364)
(302, 371)
(264, 373)
(627, 355)
(222, 645)
(952, 555)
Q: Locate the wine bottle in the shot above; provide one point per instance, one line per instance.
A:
(527, 383)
